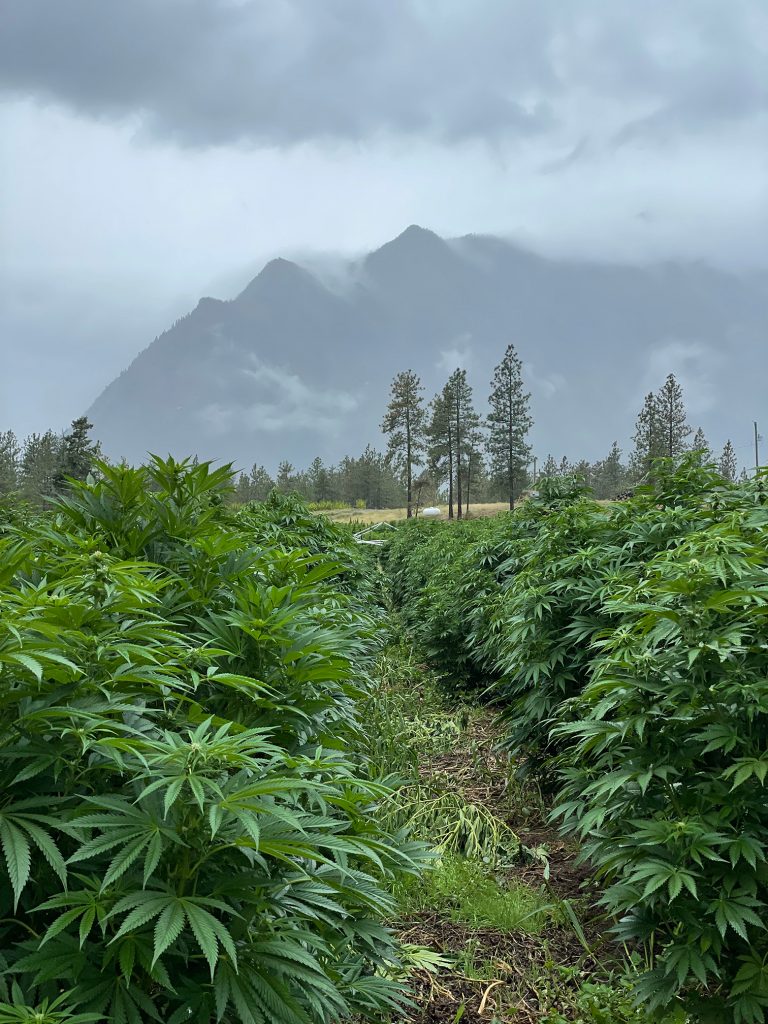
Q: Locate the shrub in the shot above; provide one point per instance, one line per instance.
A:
(666, 788)
(184, 833)
(628, 645)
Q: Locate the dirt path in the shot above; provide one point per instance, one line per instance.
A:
(499, 975)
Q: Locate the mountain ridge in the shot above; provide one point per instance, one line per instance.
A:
(292, 368)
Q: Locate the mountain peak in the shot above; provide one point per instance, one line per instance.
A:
(414, 231)
(277, 276)
(414, 247)
(415, 239)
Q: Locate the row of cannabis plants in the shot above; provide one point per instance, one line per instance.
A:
(626, 646)
(188, 830)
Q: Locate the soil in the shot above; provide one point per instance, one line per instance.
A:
(523, 975)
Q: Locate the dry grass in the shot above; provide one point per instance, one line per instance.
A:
(365, 516)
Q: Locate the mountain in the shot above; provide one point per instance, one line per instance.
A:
(298, 365)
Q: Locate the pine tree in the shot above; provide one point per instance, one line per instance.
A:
(550, 467)
(608, 476)
(261, 483)
(474, 470)
(440, 443)
(700, 444)
(404, 422)
(672, 417)
(648, 438)
(285, 476)
(508, 424)
(243, 490)
(465, 425)
(78, 452)
(728, 462)
(41, 466)
(10, 462)
(583, 470)
(317, 480)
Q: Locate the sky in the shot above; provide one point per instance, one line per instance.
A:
(160, 150)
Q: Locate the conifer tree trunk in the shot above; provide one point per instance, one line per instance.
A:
(408, 465)
(450, 471)
(511, 441)
(457, 400)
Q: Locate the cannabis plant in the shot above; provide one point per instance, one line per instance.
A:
(184, 833)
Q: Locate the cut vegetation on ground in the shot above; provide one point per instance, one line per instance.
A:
(503, 926)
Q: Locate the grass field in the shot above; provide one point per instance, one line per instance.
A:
(391, 515)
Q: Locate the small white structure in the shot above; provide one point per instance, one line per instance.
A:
(431, 512)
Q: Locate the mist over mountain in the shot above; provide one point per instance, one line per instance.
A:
(299, 363)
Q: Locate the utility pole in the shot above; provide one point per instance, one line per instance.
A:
(535, 463)
(757, 449)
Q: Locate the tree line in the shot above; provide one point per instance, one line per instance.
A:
(439, 450)
(38, 466)
(370, 481)
(448, 447)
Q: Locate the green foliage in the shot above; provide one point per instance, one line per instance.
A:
(185, 834)
(669, 758)
(467, 892)
(603, 1003)
(437, 585)
(509, 421)
(627, 646)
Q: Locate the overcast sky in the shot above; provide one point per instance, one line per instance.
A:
(158, 150)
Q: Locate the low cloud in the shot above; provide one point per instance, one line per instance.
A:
(281, 402)
(545, 385)
(696, 367)
(458, 356)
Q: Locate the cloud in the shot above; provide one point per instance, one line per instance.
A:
(696, 367)
(545, 385)
(280, 402)
(458, 356)
(282, 72)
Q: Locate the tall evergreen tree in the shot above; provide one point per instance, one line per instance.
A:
(243, 489)
(10, 461)
(648, 438)
(700, 446)
(473, 468)
(583, 470)
(317, 479)
(700, 443)
(78, 451)
(550, 467)
(728, 462)
(404, 423)
(40, 466)
(509, 421)
(286, 473)
(465, 427)
(261, 483)
(608, 476)
(672, 417)
(440, 443)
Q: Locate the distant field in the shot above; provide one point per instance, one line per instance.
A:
(391, 515)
